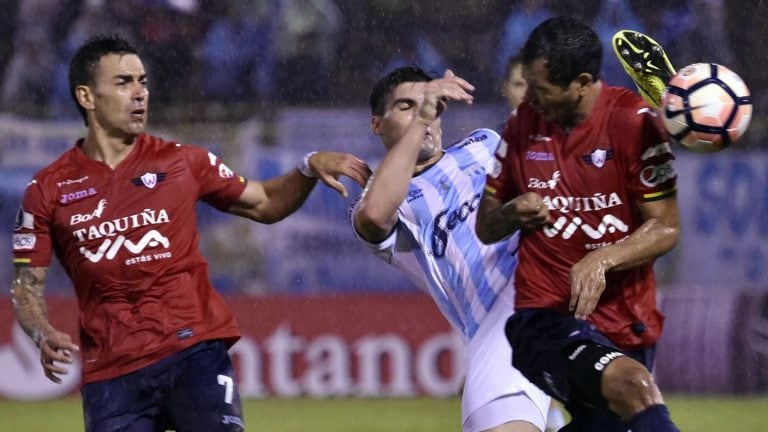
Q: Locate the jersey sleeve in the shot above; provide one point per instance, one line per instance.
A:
(397, 249)
(651, 172)
(219, 186)
(32, 243)
(384, 249)
(498, 181)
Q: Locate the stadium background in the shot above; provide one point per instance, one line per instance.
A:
(260, 83)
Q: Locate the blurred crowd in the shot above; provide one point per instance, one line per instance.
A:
(203, 55)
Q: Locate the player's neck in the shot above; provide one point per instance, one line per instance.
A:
(100, 146)
(425, 164)
(588, 102)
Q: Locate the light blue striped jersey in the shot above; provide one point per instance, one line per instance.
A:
(434, 243)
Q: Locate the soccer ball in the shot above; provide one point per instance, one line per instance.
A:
(706, 107)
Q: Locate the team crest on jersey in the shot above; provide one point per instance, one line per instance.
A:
(598, 157)
(148, 179)
(475, 169)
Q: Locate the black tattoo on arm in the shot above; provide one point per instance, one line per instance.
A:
(496, 221)
(28, 301)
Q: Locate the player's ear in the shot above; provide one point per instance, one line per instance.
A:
(584, 80)
(84, 96)
(376, 122)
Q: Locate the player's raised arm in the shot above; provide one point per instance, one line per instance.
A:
(417, 105)
(31, 313)
(272, 200)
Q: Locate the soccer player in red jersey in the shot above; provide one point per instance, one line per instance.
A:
(118, 210)
(584, 170)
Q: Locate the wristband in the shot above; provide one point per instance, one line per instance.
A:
(304, 168)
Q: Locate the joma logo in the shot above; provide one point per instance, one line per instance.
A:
(76, 196)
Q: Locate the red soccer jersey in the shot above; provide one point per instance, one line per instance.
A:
(127, 239)
(591, 180)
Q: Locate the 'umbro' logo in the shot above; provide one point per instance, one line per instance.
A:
(414, 194)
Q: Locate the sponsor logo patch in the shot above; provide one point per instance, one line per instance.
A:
(654, 175)
(539, 138)
(414, 194)
(534, 183)
(539, 156)
(24, 241)
(576, 352)
(473, 139)
(71, 181)
(77, 196)
(78, 218)
(603, 361)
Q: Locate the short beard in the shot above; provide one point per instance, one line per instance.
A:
(426, 152)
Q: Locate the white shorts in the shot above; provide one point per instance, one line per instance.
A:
(492, 381)
(514, 407)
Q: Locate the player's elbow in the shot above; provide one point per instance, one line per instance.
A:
(373, 219)
(482, 233)
(669, 238)
(259, 214)
(372, 224)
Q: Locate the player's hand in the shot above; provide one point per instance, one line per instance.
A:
(528, 211)
(438, 92)
(328, 166)
(587, 284)
(56, 346)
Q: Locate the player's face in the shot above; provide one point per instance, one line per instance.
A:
(402, 106)
(119, 95)
(554, 102)
(515, 87)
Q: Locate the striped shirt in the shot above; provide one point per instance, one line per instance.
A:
(434, 242)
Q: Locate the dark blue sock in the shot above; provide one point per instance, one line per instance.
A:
(655, 418)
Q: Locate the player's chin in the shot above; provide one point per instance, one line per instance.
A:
(429, 147)
(136, 127)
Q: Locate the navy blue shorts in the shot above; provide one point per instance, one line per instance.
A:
(545, 345)
(192, 390)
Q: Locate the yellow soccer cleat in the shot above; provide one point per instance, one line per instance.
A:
(646, 63)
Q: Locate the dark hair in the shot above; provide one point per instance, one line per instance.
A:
(83, 64)
(514, 61)
(386, 85)
(569, 46)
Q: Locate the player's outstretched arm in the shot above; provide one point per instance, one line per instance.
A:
(29, 305)
(656, 236)
(497, 220)
(376, 215)
(272, 200)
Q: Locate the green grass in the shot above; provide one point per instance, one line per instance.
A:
(694, 414)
